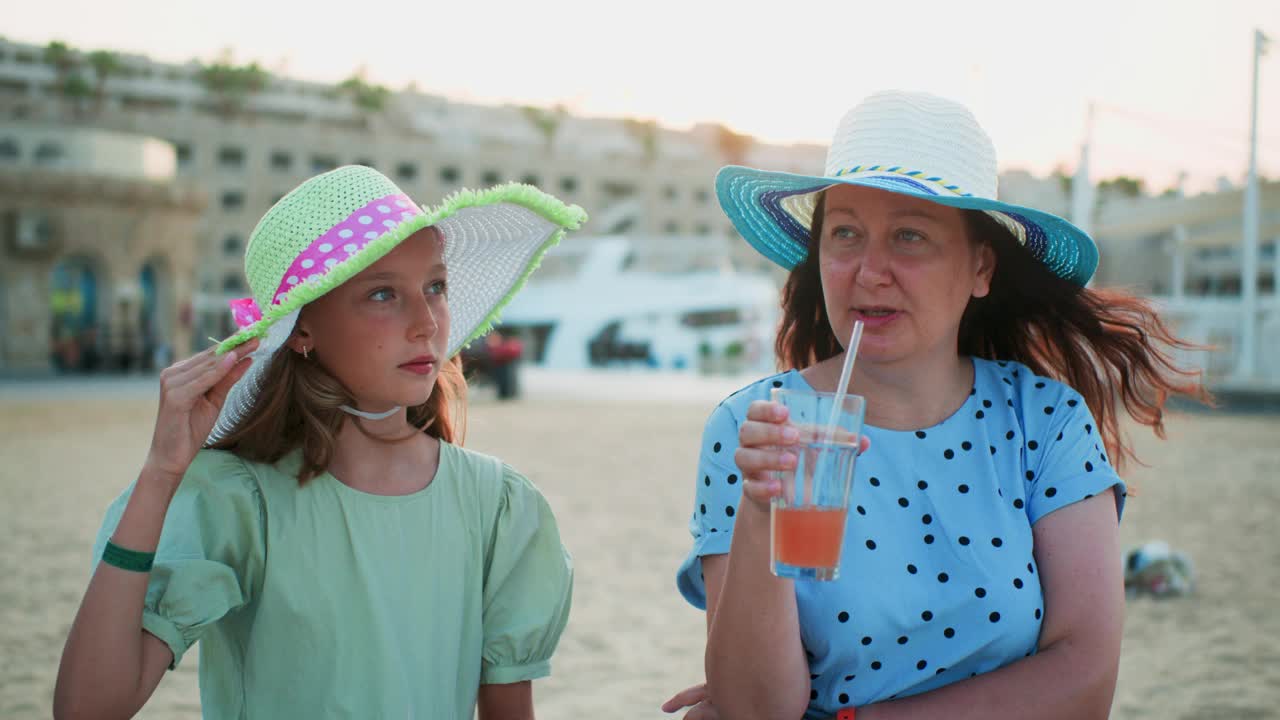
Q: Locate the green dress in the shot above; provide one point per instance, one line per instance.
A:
(321, 601)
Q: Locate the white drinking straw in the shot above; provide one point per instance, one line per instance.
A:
(842, 389)
(851, 352)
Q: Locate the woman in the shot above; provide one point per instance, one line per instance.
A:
(326, 539)
(980, 569)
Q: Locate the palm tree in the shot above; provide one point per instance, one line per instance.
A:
(61, 57)
(734, 146)
(547, 122)
(233, 84)
(105, 64)
(646, 133)
(76, 87)
(369, 98)
(66, 62)
(1122, 185)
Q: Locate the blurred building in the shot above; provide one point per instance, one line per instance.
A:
(1167, 245)
(95, 267)
(1186, 254)
(155, 150)
(246, 148)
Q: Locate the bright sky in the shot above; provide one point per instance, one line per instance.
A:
(1171, 79)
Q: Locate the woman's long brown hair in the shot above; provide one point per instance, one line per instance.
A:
(299, 407)
(1109, 345)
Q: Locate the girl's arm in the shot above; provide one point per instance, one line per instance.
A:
(513, 701)
(110, 666)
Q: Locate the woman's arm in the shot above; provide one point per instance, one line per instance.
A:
(755, 662)
(1073, 674)
(513, 701)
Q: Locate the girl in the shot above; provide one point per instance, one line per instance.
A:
(306, 511)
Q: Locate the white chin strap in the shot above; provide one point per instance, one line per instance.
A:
(368, 415)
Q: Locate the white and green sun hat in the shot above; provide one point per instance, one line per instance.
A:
(336, 224)
(909, 143)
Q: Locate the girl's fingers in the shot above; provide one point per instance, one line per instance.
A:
(194, 368)
(199, 383)
(218, 393)
(199, 358)
(178, 378)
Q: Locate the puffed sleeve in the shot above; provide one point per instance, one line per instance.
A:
(528, 586)
(211, 554)
(719, 489)
(1074, 466)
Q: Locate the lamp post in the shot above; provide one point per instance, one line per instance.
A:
(1247, 365)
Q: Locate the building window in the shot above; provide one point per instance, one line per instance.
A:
(231, 158)
(232, 200)
(184, 153)
(568, 184)
(701, 196)
(323, 163)
(281, 161)
(232, 245)
(9, 151)
(232, 284)
(671, 227)
(617, 189)
(450, 174)
(407, 171)
(704, 229)
(490, 177)
(48, 153)
(529, 179)
(669, 192)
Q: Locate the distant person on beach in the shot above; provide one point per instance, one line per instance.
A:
(980, 569)
(306, 511)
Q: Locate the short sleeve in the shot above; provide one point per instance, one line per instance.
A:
(528, 586)
(211, 554)
(1074, 466)
(719, 490)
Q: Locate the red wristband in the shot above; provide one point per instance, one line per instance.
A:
(845, 713)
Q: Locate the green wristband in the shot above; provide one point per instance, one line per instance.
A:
(125, 559)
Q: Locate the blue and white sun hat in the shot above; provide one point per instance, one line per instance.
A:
(909, 143)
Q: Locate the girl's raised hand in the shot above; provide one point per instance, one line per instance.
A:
(191, 396)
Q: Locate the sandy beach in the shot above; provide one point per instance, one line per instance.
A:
(615, 456)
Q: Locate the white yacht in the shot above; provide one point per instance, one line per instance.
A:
(668, 303)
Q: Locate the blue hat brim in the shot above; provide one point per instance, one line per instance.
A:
(753, 201)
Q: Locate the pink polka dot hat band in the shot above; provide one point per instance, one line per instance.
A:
(344, 239)
(338, 243)
(334, 225)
